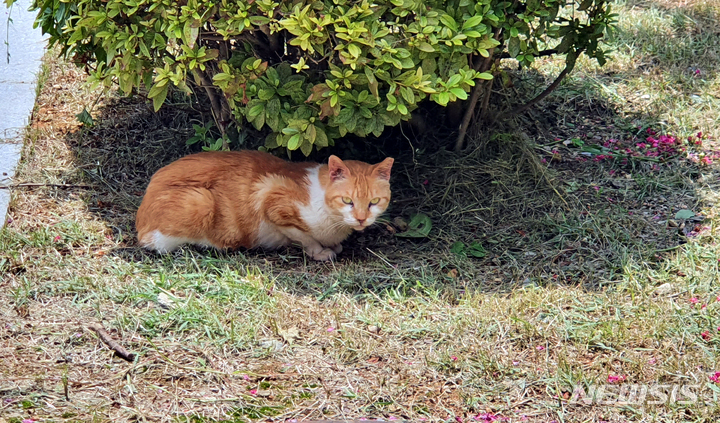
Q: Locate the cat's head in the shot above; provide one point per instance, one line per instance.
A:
(359, 191)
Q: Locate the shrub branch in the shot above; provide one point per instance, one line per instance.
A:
(542, 95)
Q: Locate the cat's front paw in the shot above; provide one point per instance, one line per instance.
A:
(337, 248)
(323, 255)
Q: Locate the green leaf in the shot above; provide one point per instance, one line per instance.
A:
(443, 98)
(449, 22)
(255, 111)
(684, 214)
(474, 21)
(476, 250)
(354, 50)
(459, 93)
(160, 97)
(259, 121)
(265, 95)
(484, 75)
(311, 134)
(408, 95)
(419, 227)
(458, 248)
(85, 118)
(585, 5)
(514, 47)
(454, 80)
(321, 139)
(306, 148)
(426, 47)
(294, 142)
(143, 48)
(372, 82)
(259, 20)
(190, 33)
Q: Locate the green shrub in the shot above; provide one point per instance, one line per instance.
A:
(312, 71)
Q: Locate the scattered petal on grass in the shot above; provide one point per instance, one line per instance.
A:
(652, 360)
(253, 392)
(706, 335)
(694, 300)
(715, 378)
(453, 358)
(616, 378)
(540, 348)
(488, 417)
(330, 329)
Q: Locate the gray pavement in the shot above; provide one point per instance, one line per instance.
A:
(21, 51)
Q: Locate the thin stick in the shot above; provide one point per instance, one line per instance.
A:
(540, 96)
(468, 116)
(107, 339)
(474, 97)
(33, 185)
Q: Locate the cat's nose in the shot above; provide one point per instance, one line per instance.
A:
(361, 221)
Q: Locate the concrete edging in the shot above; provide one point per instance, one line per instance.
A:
(20, 61)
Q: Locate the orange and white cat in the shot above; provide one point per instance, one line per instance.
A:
(253, 199)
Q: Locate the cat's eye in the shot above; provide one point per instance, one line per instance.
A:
(374, 201)
(347, 200)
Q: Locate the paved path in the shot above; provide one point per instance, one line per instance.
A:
(19, 63)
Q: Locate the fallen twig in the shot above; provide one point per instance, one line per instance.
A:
(33, 185)
(107, 339)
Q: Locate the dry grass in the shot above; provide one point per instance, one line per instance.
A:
(579, 283)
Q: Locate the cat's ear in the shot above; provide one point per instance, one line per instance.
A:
(338, 170)
(382, 169)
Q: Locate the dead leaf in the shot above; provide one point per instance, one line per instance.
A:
(23, 310)
(289, 335)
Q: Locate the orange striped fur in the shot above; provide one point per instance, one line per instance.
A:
(253, 199)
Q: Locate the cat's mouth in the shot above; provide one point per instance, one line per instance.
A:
(359, 228)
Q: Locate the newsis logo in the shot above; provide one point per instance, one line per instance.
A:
(639, 395)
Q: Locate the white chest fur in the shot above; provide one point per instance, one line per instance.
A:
(325, 226)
